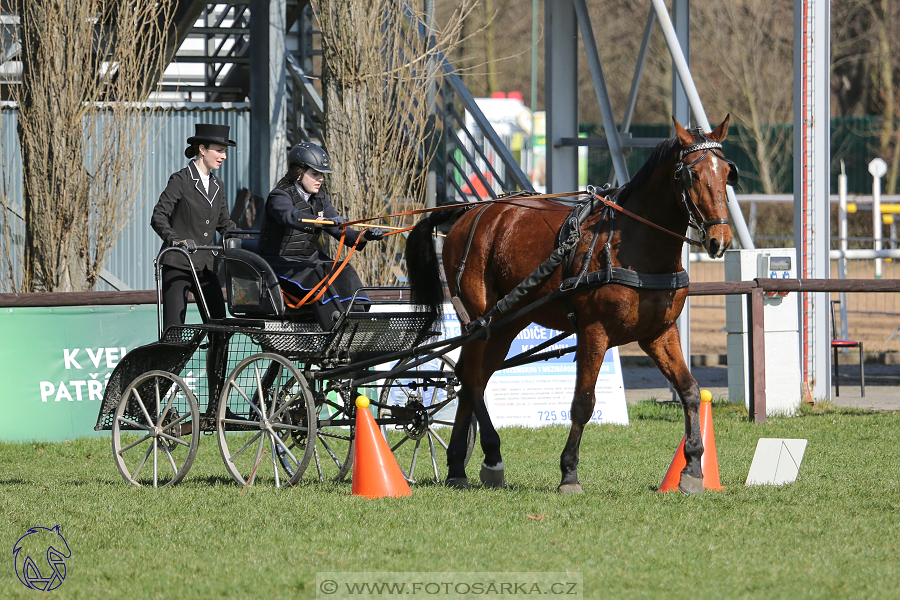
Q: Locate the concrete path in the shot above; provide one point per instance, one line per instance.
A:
(882, 385)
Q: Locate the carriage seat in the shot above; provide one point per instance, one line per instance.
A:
(251, 284)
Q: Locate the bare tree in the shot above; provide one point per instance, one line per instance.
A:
(866, 72)
(886, 81)
(85, 67)
(377, 71)
(747, 60)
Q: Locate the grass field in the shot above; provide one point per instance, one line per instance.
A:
(832, 534)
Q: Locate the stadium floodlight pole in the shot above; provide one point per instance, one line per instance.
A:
(430, 97)
(665, 23)
(534, 60)
(635, 83)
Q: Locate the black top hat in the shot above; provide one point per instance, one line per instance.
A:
(209, 133)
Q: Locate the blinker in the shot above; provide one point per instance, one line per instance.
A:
(685, 175)
(732, 174)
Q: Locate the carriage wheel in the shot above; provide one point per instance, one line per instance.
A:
(147, 441)
(424, 414)
(335, 415)
(264, 401)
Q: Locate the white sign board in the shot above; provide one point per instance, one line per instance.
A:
(539, 394)
(776, 461)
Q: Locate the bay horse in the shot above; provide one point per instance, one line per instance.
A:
(501, 243)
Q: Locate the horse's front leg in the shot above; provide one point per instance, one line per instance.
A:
(592, 345)
(665, 351)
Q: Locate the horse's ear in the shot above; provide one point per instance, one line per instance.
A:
(684, 138)
(722, 130)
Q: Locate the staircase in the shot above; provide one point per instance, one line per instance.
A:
(211, 65)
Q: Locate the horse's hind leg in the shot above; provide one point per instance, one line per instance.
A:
(592, 345)
(478, 361)
(457, 447)
(666, 353)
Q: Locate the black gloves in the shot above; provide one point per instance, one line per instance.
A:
(373, 235)
(188, 245)
(338, 220)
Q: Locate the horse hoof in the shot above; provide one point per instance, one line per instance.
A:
(569, 488)
(459, 483)
(492, 477)
(691, 485)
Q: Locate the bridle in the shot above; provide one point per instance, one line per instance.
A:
(684, 178)
(685, 175)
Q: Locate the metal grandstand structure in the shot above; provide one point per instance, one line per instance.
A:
(212, 63)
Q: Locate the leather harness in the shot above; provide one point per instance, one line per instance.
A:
(570, 234)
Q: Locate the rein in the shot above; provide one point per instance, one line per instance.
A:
(507, 198)
(319, 289)
(684, 174)
(626, 212)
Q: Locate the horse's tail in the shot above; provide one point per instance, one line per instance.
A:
(422, 267)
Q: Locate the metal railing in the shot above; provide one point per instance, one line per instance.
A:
(886, 303)
(473, 160)
(306, 114)
(225, 34)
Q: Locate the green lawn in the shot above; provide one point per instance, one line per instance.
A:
(831, 534)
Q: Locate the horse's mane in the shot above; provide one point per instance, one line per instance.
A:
(660, 154)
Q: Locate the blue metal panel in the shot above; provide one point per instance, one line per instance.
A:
(162, 153)
(11, 188)
(131, 259)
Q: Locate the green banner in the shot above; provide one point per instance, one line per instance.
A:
(54, 364)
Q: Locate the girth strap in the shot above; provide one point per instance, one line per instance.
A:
(629, 278)
(535, 279)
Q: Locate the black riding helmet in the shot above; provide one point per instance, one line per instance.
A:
(309, 155)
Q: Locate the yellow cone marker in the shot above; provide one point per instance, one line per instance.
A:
(705, 396)
(363, 402)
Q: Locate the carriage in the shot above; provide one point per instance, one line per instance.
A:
(276, 389)
(287, 402)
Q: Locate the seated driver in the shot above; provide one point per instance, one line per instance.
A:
(291, 246)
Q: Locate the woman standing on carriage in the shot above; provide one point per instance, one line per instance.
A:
(291, 246)
(188, 214)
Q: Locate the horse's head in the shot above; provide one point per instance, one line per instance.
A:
(701, 174)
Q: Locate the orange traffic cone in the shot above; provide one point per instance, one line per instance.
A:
(376, 473)
(709, 464)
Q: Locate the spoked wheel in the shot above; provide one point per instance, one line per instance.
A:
(264, 401)
(335, 415)
(147, 441)
(419, 420)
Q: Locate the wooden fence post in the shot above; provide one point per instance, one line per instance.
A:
(756, 347)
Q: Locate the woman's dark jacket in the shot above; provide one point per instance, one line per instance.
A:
(284, 234)
(185, 211)
(291, 246)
